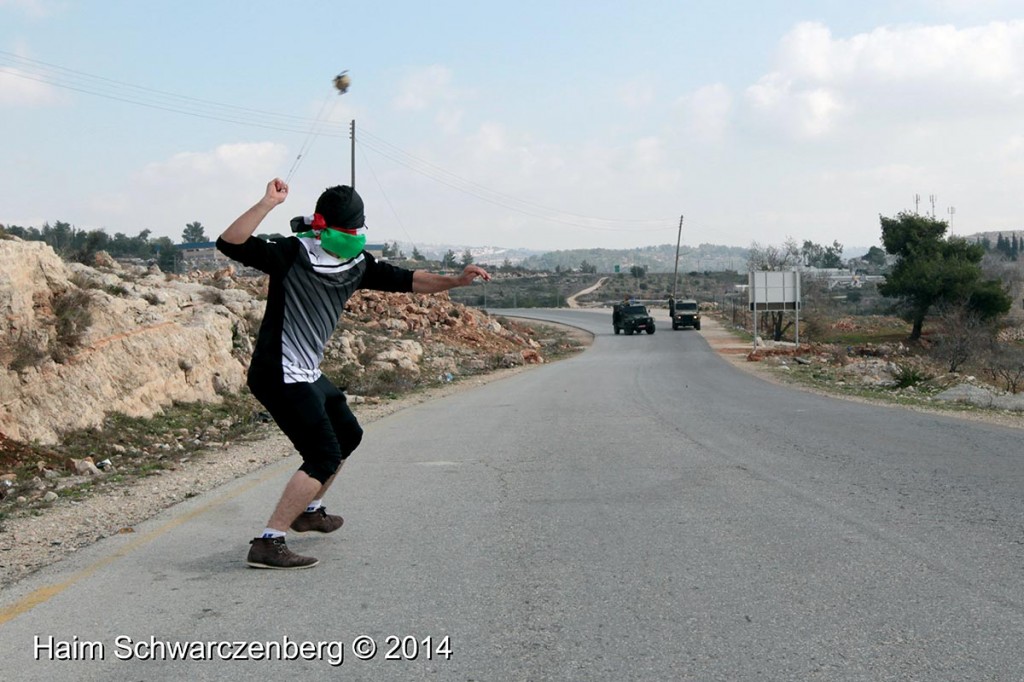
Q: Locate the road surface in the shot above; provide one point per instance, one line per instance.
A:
(643, 511)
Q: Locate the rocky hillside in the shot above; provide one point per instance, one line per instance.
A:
(79, 342)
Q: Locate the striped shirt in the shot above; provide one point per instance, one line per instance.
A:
(307, 295)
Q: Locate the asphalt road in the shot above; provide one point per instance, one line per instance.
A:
(643, 511)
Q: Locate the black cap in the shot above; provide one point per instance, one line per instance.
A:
(342, 207)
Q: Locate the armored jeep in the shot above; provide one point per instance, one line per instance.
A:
(632, 318)
(686, 314)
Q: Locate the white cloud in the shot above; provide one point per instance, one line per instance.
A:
(803, 112)
(709, 111)
(16, 90)
(424, 87)
(490, 139)
(213, 187)
(929, 71)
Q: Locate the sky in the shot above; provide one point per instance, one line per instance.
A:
(539, 124)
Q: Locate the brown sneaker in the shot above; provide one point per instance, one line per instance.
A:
(319, 521)
(274, 553)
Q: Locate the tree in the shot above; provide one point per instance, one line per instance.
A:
(194, 232)
(638, 271)
(59, 236)
(931, 270)
(818, 256)
(416, 255)
(875, 257)
(771, 257)
(588, 268)
(86, 248)
(448, 260)
(467, 258)
(166, 254)
(962, 335)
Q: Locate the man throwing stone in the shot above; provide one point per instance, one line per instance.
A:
(312, 275)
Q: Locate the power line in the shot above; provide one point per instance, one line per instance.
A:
(100, 86)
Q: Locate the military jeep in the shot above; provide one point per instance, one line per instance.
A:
(686, 314)
(632, 318)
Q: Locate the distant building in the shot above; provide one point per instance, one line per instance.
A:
(193, 255)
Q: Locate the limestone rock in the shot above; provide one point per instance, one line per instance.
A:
(129, 358)
(967, 393)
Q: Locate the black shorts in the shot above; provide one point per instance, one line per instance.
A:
(315, 417)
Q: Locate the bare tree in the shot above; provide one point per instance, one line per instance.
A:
(962, 336)
(772, 257)
(1005, 366)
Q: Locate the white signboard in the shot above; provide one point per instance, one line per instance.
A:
(773, 290)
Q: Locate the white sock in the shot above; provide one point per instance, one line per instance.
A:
(314, 505)
(271, 533)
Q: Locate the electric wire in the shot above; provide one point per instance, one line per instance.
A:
(314, 133)
(385, 195)
(99, 86)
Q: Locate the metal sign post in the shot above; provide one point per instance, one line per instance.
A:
(774, 291)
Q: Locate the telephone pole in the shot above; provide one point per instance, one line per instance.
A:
(675, 274)
(352, 134)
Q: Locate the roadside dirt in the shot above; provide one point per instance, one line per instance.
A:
(736, 350)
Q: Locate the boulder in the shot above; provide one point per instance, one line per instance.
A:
(967, 393)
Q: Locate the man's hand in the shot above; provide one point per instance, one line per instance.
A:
(472, 272)
(277, 192)
(246, 224)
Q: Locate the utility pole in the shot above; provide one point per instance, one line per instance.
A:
(917, 204)
(675, 273)
(932, 198)
(952, 212)
(352, 134)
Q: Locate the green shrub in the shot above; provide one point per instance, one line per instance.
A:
(73, 318)
(26, 353)
(907, 375)
(118, 290)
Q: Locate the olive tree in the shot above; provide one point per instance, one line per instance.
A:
(932, 269)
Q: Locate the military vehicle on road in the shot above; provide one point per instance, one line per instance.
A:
(632, 318)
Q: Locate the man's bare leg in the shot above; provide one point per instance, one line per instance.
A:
(300, 491)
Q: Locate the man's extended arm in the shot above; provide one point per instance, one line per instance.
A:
(243, 227)
(430, 283)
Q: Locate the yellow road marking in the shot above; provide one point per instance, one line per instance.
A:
(44, 594)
